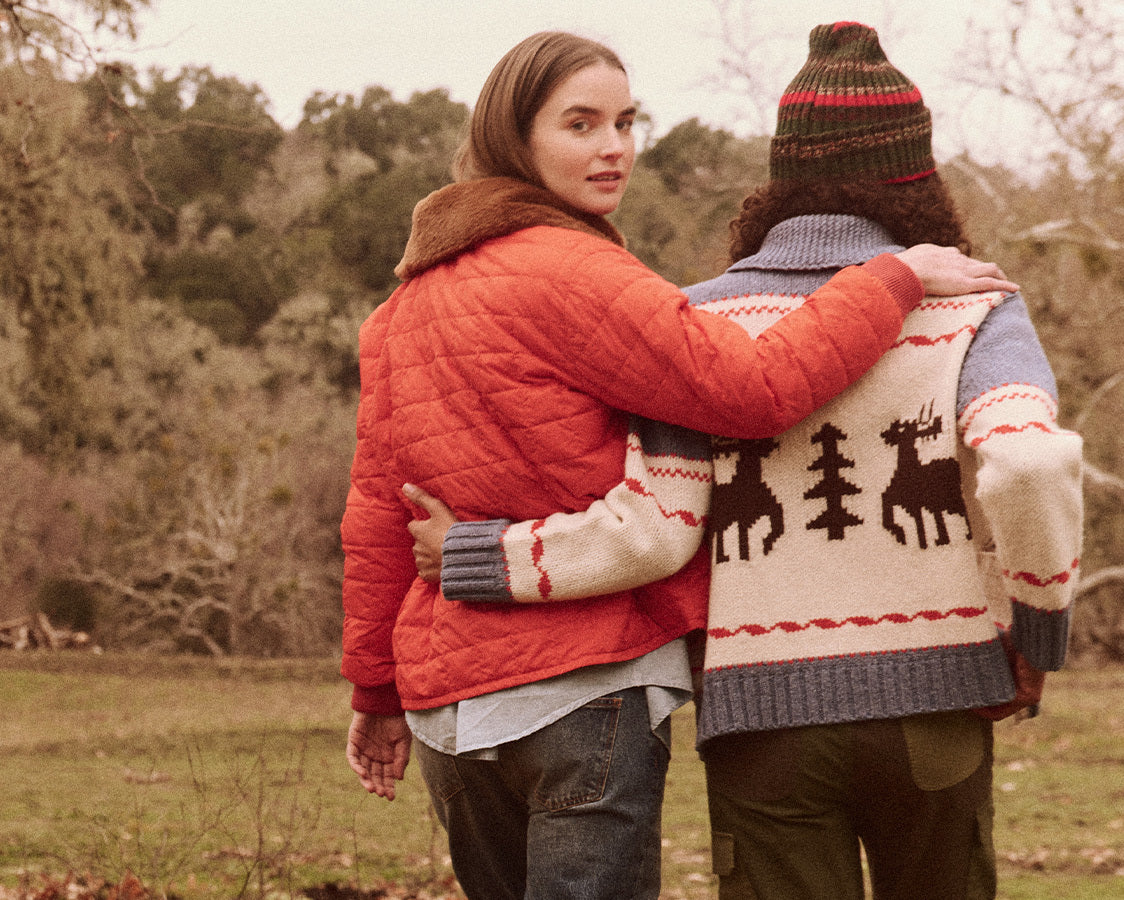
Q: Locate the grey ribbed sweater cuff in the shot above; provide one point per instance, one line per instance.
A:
(1041, 635)
(472, 562)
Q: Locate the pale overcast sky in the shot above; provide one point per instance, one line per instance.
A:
(292, 48)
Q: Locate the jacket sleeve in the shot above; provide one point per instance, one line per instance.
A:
(1027, 482)
(378, 558)
(618, 332)
(646, 528)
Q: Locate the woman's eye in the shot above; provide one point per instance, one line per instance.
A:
(580, 125)
(624, 126)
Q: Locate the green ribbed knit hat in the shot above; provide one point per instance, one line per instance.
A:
(849, 114)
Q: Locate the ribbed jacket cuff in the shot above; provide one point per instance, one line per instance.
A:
(472, 562)
(899, 279)
(379, 700)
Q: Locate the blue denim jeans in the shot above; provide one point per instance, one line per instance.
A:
(571, 811)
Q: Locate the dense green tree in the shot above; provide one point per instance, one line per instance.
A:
(696, 161)
(68, 259)
(369, 218)
(233, 288)
(685, 190)
(385, 130)
(410, 150)
(314, 339)
(196, 145)
(194, 137)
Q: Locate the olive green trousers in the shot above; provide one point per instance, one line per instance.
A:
(793, 812)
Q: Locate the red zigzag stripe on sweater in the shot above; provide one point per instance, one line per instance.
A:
(668, 472)
(751, 310)
(922, 340)
(1036, 395)
(545, 586)
(635, 446)
(1034, 581)
(1011, 429)
(935, 303)
(688, 517)
(931, 615)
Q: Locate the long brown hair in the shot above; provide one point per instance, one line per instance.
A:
(517, 88)
(914, 212)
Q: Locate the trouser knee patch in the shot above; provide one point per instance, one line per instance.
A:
(722, 854)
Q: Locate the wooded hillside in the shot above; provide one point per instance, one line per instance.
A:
(182, 281)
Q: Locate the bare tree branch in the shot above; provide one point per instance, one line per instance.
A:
(1098, 579)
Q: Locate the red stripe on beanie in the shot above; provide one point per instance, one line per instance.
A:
(850, 115)
(894, 99)
(905, 178)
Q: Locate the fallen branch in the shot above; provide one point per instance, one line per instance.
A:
(35, 632)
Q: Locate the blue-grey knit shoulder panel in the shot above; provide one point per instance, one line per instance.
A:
(1005, 350)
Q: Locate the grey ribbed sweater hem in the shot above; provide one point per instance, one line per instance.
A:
(853, 688)
(472, 562)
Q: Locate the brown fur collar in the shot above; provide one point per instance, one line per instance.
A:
(462, 215)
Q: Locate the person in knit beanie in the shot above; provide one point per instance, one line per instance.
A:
(887, 577)
(849, 114)
(853, 662)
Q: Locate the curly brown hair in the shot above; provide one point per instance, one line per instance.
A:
(914, 212)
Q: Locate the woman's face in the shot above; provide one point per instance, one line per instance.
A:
(581, 140)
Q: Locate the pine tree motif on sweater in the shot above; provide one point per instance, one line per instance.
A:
(917, 488)
(832, 486)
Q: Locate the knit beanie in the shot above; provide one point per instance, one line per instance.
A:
(849, 114)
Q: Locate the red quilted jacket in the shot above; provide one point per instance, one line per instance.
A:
(497, 377)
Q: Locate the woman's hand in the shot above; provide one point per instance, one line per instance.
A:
(429, 534)
(378, 749)
(946, 272)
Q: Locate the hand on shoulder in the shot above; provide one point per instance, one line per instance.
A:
(946, 272)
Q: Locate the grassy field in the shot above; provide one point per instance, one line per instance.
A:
(218, 780)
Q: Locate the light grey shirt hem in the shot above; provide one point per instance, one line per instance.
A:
(477, 726)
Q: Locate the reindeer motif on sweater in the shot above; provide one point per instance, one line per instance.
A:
(917, 486)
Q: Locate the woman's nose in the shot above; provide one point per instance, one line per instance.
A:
(613, 146)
